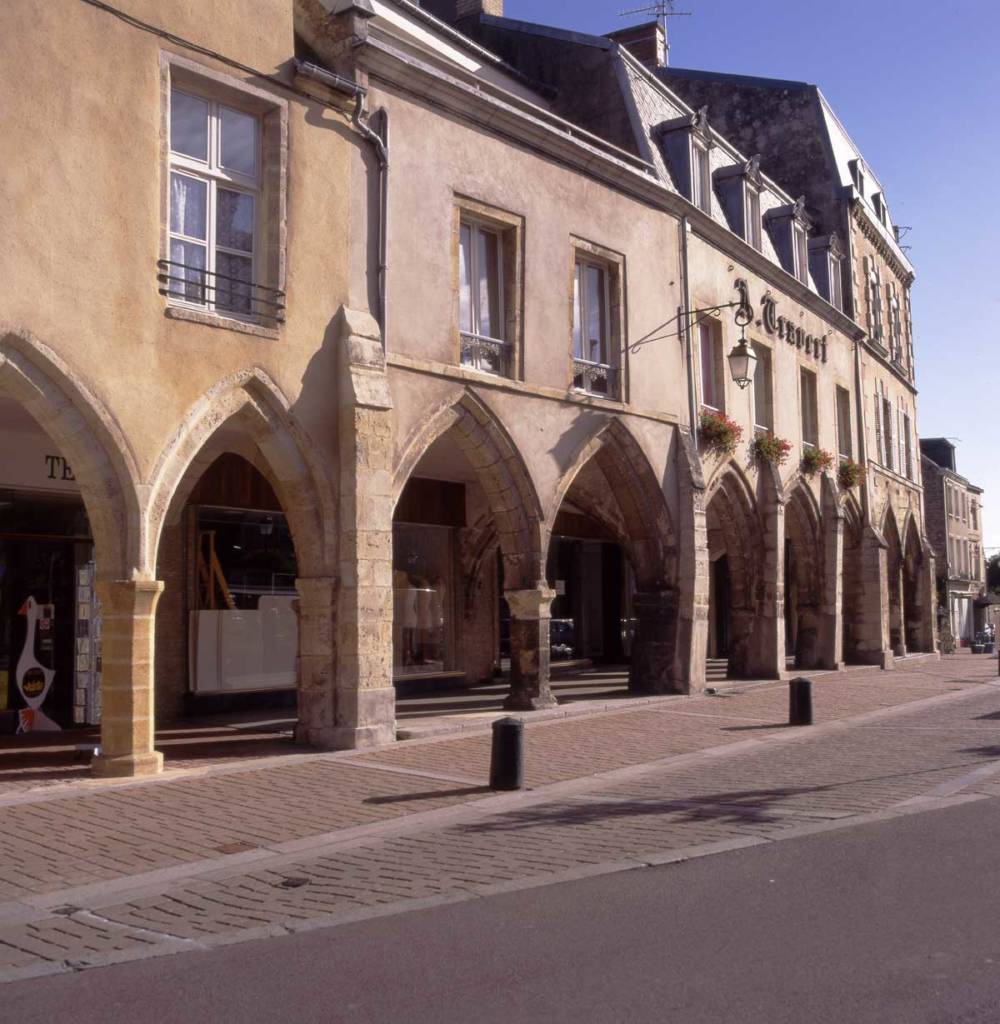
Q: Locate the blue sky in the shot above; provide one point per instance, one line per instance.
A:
(915, 82)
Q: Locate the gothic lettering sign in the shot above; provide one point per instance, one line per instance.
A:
(781, 326)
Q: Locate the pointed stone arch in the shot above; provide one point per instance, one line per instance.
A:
(89, 439)
(647, 532)
(894, 581)
(804, 576)
(918, 590)
(251, 402)
(501, 471)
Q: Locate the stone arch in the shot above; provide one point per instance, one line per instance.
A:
(501, 471)
(894, 578)
(735, 534)
(804, 575)
(277, 446)
(917, 597)
(852, 584)
(646, 531)
(91, 441)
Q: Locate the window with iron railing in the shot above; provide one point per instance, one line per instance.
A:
(481, 300)
(594, 365)
(215, 208)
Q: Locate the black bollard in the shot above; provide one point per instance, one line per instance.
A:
(800, 702)
(507, 756)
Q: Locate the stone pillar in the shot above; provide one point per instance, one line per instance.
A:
(530, 611)
(317, 670)
(365, 705)
(765, 648)
(830, 652)
(872, 625)
(691, 644)
(653, 649)
(128, 610)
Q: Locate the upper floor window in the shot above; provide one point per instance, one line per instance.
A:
(887, 430)
(974, 513)
(844, 437)
(810, 412)
(594, 358)
(858, 175)
(751, 215)
(480, 297)
(873, 296)
(826, 265)
(789, 229)
(763, 389)
(800, 266)
(215, 198)
(712, 380)
(701, 177)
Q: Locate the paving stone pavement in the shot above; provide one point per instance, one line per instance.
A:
(331, 838)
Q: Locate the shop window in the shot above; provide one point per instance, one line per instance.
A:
(844, 436)
(810, 417)
(712, 380)
(224, 208)
(422, 575)
(763, 389)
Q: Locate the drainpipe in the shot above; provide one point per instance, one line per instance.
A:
(688, 355)
(378, 138)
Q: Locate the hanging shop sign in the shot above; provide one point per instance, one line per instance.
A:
(781, 326)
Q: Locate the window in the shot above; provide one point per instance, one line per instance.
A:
(215, 198)
(710, 341)
(974, 511)
(763, 389)
(810, 415)
(593, 358)
(907, 453)
(800, 253)
(887, 430)
(751, 215)
(480, 298)
(858, 175)
(879, 447)
(844, 423)
(895, 323)
(873, 295)
(701, 178)
(836, 283)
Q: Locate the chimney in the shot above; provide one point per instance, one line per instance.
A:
(454, 11)
(647, 43)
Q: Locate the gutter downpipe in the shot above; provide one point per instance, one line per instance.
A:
(688, 355)
(378, 138)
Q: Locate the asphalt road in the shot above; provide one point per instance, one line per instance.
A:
(891, 922)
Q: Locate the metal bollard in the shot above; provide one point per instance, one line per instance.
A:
(800, 702)
(507, 755)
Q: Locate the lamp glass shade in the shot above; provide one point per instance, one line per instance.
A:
(742, 363)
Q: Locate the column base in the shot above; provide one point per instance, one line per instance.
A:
(127, 766)
(530, 702)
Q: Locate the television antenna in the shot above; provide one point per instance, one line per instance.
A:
(661, 10)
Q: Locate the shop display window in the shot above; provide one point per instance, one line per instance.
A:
(421, 581)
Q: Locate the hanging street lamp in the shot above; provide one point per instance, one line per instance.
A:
(742, 360)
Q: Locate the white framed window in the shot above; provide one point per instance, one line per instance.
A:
(751, 215)
(887, 429)
(844, 437)
(710, 348)
(810, 412)
(836, 283)
(879, 447)
(800, 253)
(594, 358)
(763, 389)
(481, 297)
(215, 200)
(873, 294)
(701, 177)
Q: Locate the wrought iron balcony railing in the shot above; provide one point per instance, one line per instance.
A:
(221, 293)
(489, 355)
(596, 378)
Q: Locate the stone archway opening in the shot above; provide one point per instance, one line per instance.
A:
(895, 582)
(469, 599)
(804, 623)
(917, 600)
(852, 595)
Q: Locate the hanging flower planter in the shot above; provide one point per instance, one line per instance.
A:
(816, 460)
(771, 448)
(851, 474)
(718, 433)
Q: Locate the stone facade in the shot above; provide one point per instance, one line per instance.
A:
(374, 376)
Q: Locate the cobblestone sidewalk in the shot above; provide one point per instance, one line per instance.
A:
(159, 867)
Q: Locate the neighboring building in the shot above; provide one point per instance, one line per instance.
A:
(398, 364)
(955, 527)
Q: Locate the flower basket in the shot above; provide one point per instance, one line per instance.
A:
(816, 460)
(851, 474)
(771, 448)
(718, 433)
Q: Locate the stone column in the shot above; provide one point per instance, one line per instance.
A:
(365, 705)
(128, 610)
(872, 625)
(317, 663)
(530, 611)
(691, 644)
(653, 649)
(765, 651)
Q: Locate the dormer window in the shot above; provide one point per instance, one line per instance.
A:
(687, 143)
(858, 175)
(878, 204)
(789, 229)
(826, 266)
(739, 187)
